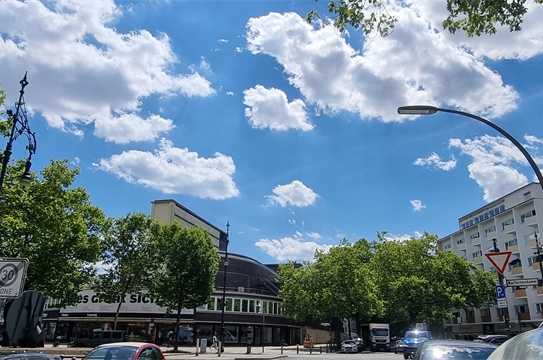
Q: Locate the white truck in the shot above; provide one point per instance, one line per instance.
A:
(379, 337)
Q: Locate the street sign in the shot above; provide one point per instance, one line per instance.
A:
(499, 259)
(502, 304)
(12, 277)
(522, 282)
(500, 292)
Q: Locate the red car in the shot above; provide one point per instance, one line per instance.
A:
(126, 351)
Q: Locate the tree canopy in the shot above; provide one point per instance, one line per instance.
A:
(186, 265)
(473, 17)
(127, 258)
(54, 225)
(396, 282)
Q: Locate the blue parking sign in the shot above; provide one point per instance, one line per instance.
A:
(500, 292)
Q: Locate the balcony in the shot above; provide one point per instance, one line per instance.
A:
(520, 293)
(509, 228)
(513, 248)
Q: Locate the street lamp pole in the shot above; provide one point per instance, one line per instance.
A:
(225, 271)
(429, 110)
(19, 126)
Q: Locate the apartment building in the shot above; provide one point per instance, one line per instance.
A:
(514, 221)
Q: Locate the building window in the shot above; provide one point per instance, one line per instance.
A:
(474, 236)
(539, 308)
(211, 303)
(251, 306)
(459, 241)
(490, 229)
(228, 304)
(275, 308)
(507, 222)
(237, 304)
(524, 216)
(477, 254)
(244, 305)
(258, 307)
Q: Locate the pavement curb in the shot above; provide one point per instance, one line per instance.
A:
(262, 357)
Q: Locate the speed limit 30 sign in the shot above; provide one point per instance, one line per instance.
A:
(12, 277)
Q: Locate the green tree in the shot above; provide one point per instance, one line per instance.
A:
(54, 225)
(338, 285)
(418, 284)
(474, 17)
(127, 258)
(187, 264)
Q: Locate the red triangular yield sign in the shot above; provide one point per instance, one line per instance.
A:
(499, 259)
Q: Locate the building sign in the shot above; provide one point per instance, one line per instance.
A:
(489, 214)
(90, 302)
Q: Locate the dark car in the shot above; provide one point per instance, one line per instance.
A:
(454, 350)
(126, 351)
(411, 342)
(29, 356)
(493, 339)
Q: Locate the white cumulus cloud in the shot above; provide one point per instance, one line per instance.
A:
(434, 160)
(131, 127)
(294, 194)
(270, 108)
(492, 161)
(174, 170)
(415, 64)
(293, 247)
(417, 205)
(82, 70)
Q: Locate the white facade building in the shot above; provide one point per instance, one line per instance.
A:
(513, 220)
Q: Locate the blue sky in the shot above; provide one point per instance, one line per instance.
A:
(244, 113)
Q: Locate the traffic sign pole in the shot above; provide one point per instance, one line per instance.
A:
(505, 310)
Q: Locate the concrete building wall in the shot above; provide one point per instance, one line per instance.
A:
(513, 221)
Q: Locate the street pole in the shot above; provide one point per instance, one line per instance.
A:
(225, 271)
(429, 110)
(15, 132)
(505, 312)
(539, 258)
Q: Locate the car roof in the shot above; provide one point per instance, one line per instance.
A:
(129, 344)
(459, 343)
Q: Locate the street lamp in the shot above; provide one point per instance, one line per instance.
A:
(19, 126)
(225, 271)
(429, 110)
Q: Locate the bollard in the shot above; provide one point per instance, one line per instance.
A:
(311, 349)
(320, 349)
(281, 349)
(219, 349)
(297, 349)
(248, 349)
(197, 346)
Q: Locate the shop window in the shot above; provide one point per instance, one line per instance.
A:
(258, 307)
(237, 304)
(244, 305)
(251, 306)
(539, 308)
(275, 309)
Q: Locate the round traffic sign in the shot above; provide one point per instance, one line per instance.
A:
(8, 274)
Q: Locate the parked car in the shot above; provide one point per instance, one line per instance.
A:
(525, 346)
(454, 350)
(411, 342)
(349, 346)
(29, 356)
(126, 351)
(493, 339)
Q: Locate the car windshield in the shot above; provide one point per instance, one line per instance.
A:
(444, 352)
(379, 332)
(417, 334)
(112, 353)
(349, 342)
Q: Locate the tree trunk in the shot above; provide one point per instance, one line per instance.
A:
(177, 326)
(123, 295)
(349, 327)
